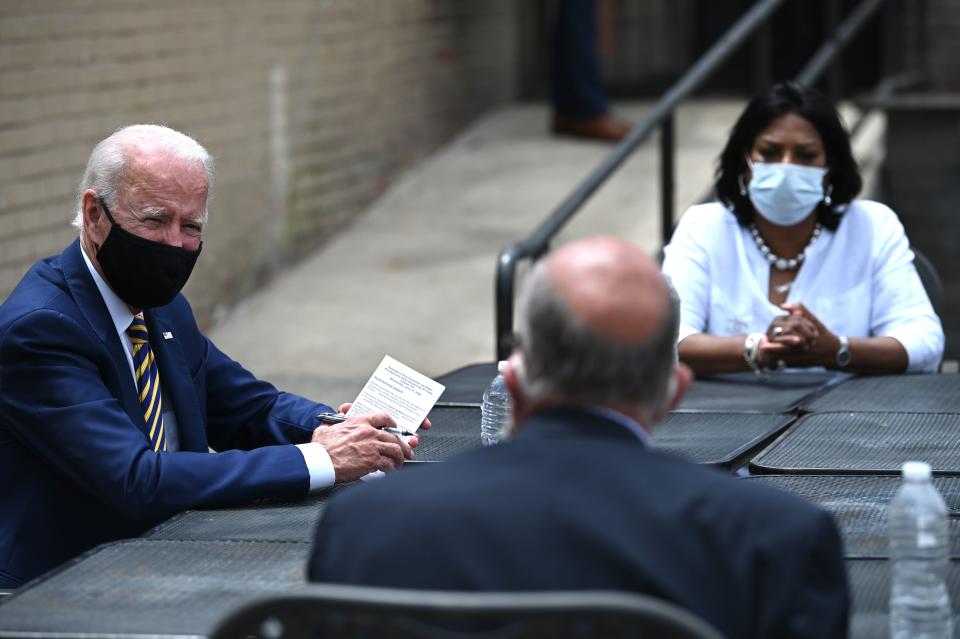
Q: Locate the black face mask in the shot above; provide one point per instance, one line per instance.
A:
(143, 273)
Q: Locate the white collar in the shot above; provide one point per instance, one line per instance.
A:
(119, 311)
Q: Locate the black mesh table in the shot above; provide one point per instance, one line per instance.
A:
(858, 503)
(745, 393)
(734, 392)
(891, 394)
(466, 385)
(454, 430)
(868, 443)
(869, 581)
(262, 522)
(722, 439)
(153, 588)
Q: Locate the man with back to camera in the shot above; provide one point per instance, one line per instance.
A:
(110, 395)
(578, 499)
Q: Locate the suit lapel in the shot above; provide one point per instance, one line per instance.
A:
(85, 293)
(175, 380)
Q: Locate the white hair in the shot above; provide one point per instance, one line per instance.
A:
(107, 160)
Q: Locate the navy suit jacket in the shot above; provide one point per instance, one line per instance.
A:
(76, 468)
(576, 501)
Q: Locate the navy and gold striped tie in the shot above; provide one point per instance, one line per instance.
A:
(148, 382)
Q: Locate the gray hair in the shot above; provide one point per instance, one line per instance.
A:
(564, 357)
(107, 160)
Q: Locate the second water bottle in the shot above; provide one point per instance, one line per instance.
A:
(919, 550)
(495, 414)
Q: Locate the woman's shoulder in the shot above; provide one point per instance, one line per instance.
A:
(869, 209)
(873, 215)
(712, 215)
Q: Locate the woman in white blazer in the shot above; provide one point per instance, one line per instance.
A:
(787, 269)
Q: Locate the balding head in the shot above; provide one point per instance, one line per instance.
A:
(597, 325)
(611, 286)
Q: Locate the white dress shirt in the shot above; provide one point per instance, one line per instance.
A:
(859, 280)
(315, 456)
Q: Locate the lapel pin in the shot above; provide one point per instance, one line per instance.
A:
(167, 335)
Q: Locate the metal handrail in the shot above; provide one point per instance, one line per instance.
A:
(538, 242)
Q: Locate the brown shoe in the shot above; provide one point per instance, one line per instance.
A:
(604, 127)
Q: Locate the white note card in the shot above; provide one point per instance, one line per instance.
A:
(400, 391)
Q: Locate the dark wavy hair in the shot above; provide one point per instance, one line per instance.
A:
(783, 98)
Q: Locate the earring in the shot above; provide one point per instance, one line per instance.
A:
(743, 188)
(827, 200)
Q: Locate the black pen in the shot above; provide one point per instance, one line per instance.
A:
(332, 418)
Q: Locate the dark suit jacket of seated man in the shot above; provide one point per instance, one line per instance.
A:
(577, 498)
(79, 463)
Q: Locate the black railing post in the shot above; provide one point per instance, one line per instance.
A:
(903, 50)
(763, 59)
(892, 25)
(831, 18)
(666, 177)
(503, 311)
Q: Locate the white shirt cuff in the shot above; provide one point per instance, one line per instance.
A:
(322, 474)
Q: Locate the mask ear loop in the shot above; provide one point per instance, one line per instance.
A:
(103, 205)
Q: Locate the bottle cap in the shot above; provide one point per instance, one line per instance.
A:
(501, 366)
(916, 470)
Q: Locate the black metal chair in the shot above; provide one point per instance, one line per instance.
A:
(335, 612)
(930, 279)
(932, 283)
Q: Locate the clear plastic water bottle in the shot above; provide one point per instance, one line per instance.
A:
(495, 414)
(919, 558)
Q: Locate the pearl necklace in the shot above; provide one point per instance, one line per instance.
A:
(782, 263)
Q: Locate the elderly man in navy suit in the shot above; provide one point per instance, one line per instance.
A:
(578, 498)
(109, 394)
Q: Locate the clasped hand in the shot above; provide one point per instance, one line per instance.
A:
(359, 446)
(798, 339)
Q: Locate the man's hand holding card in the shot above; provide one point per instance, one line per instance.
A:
(396, 399)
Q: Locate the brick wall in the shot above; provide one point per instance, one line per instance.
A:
(310, 108)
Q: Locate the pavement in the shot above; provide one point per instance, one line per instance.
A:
(413, 276)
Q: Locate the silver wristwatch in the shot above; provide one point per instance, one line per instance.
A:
(843, 353)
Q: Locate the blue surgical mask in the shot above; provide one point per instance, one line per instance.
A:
(783, 193)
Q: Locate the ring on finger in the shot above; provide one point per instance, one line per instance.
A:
(777, 331)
